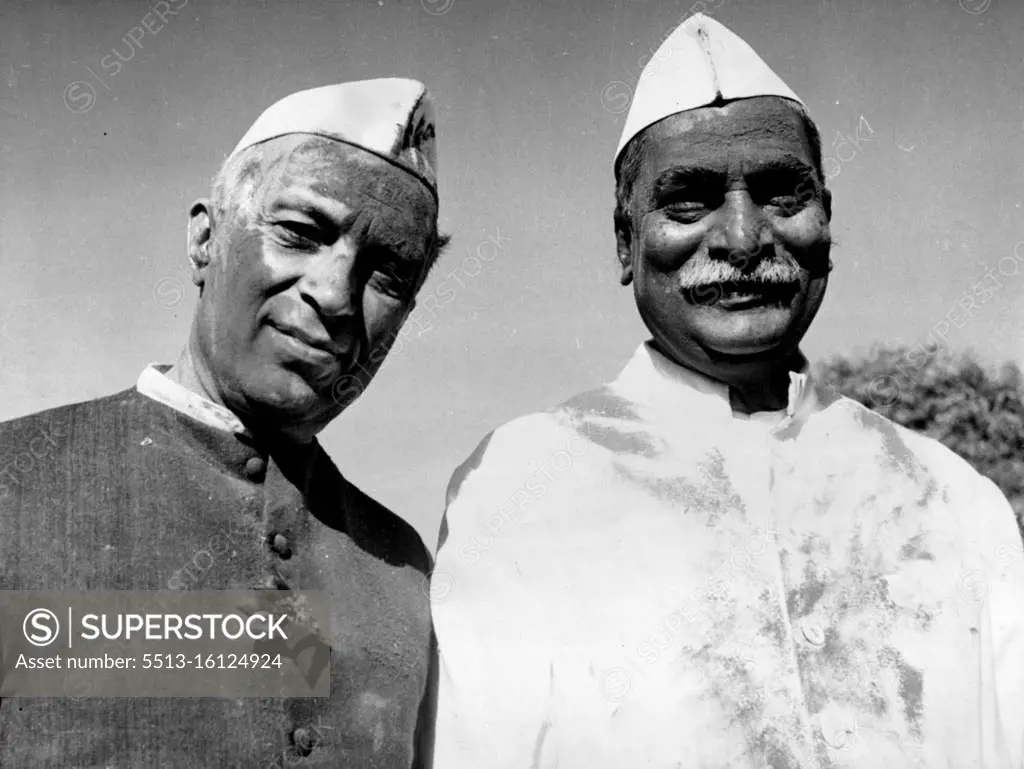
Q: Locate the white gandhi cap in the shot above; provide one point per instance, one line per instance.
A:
(390, 117)
(701, 62)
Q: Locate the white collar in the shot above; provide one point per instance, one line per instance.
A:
(156, 385)
(652, 378)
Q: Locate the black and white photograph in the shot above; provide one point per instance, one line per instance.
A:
(512, 384)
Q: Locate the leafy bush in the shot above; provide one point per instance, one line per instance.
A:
(976, 412)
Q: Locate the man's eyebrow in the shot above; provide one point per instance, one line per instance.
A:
(781, 165)
(683, 177)
(318, 207)
(677, 178)
(392, 247)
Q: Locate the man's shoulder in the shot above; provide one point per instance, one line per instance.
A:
(941, 461)
(67, 414)
(960, 477)
(532, 443)
(380, 531)
(47, 455)
(527, 434)
(61, 426)
(553, 427)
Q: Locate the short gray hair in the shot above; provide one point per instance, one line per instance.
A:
(236, 183)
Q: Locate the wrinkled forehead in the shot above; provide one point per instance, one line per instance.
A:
(731, 138)
(342, 175)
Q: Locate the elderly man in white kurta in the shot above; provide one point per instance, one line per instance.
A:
(713, 561)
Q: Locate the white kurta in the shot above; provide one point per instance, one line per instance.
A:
(641, 578)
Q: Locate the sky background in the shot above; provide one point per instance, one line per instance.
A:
(97, 172)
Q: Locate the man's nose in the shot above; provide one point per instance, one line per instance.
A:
(330, 282)
(742, 233)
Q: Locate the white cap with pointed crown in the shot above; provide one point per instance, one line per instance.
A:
(390, 117)
(700, 63)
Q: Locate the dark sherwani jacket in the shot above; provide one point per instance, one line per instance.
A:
(124, 493)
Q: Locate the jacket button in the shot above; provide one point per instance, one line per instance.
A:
(304, 741)
(279, 544)
(255, 469)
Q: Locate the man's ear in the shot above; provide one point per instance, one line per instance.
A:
(200, 235)
(624, 247)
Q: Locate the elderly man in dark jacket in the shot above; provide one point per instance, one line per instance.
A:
(207, 473)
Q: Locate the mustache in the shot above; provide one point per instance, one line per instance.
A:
(711, 272)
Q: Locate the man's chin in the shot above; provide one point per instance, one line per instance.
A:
(749, 346)
(299, 390)
(285, 397)
(746, 349)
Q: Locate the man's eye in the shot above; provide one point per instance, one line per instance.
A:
(687, 211)
(395, 283)
(298, 234)
(787, 198)
(786, 205)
